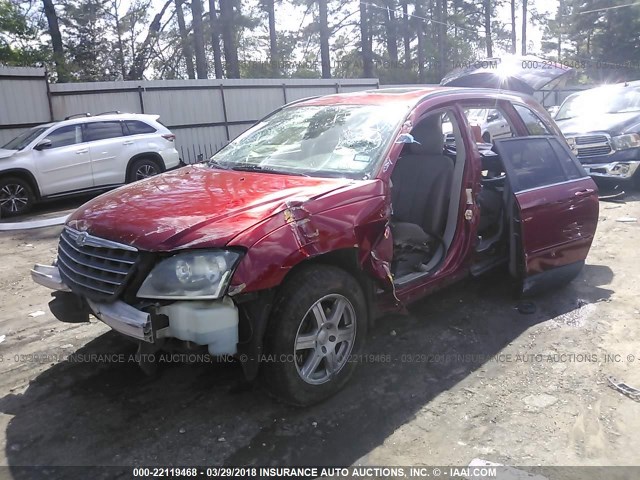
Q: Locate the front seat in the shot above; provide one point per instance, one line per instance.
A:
(422, 179)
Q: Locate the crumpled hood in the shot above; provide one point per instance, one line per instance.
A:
(6, 153)
(196, 206)
(613, 123)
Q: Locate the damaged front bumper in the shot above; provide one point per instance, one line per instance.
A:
(213, 323)
(614, 170)
(119, 315)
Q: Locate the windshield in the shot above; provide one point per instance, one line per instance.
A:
(601, 100)
(333, 140)
(24, 139)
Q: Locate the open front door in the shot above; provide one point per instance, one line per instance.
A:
(554, 214)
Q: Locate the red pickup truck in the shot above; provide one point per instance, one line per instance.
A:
(283, 248)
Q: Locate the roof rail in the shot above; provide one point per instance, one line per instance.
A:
(112, 112)
(87, 114)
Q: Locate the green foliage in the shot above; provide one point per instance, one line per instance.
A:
(20, 44)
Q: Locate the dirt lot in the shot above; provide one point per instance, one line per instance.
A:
(531, 391)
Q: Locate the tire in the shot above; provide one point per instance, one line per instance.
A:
(294, 321)
(16, 197)
(486, 137)
(143, 168)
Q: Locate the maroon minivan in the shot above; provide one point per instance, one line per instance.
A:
(286, 244)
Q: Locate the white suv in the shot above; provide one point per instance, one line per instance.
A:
(82, 154)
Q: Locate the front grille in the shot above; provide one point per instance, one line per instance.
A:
(587, 139)
(587, 146)
(592, 151)
(93, 266)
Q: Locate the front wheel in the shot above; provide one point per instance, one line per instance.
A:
(16, 197)
(317, 326)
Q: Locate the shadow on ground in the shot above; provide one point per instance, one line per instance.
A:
(107, 413)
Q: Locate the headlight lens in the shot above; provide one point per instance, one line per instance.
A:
(192, 275)
(624, 142)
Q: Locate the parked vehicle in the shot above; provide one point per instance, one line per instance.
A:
(80, 155)
(602, 125)
(285, 247)
(493, 125)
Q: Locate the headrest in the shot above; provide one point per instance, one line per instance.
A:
(429, 133)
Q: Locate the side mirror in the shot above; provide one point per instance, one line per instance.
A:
(492, 117)
(43, 144)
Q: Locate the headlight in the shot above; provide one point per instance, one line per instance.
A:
(195, 275)
(623, 142)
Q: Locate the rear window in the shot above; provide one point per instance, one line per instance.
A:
(136, 127)
(102, 130)
(534, 162)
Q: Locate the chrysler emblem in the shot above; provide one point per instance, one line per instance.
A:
(81, 239)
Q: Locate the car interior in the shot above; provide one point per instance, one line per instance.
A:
(425, 181)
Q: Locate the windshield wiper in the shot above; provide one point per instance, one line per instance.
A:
(216, 164)
(258, 168)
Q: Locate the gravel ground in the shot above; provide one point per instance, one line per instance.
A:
(464, 376)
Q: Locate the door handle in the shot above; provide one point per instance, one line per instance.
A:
(84, 150)
(584, 193)
(128, 142)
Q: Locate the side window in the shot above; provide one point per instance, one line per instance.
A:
(102, 130)
(488, 124)
(64, 136)
(534, 125)
(570, 164)
(532, 162)
(136, 127)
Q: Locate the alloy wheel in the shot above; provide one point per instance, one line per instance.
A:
(13, 198)
(146, 171)
(325, 339)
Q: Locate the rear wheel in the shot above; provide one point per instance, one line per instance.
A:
(143, 168)
(317, 325)
(16, 197)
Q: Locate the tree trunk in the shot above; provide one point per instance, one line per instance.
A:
(56, 40)
(365, 43)
(142, 56)
(273, 38)
(392, 37)
(560, 15)
(198, 39)
(513, 26)
(421, 45)
(215, 40)
(406, 34)
(325, 58)
(116, 17)
(487, 27)
(229, 39)
(524, 27)
(186, 42)
(441, 10)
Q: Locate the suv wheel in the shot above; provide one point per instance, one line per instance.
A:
(318, 324)
(16, 197)
(143, 168)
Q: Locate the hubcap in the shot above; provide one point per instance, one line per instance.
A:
(325, 339)
(146, 171)
(13, 197)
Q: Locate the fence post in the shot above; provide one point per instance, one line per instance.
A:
(141, 98)
(224, 112)
(284, 92)
(46, 82)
